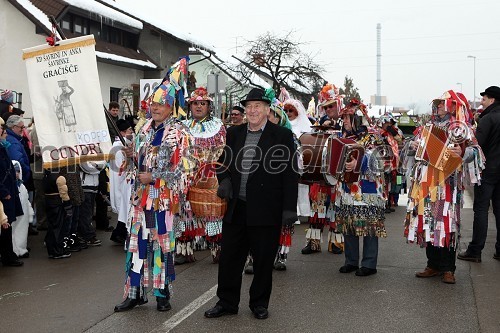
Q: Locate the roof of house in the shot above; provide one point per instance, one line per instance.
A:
(38, 10)
(163, 25)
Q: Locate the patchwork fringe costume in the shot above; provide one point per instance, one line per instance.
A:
(156, 208)
(360, 206)
(435, 196)
(321, 195)
(209, 141)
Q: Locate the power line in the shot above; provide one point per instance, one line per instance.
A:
(413, 63)
(413, 54)
(406, 38)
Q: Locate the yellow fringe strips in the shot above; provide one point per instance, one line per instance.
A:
(82, 43)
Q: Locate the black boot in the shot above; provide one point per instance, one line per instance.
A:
(130, 303)
(163, 304)
(126, 305)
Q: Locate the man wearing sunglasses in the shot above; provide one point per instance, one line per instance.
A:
(237, 115)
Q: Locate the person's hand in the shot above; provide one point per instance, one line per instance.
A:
(6, 225)
(129, 151)
(225, 190)
(288, 218)
(145, 178)
(349, 166)
(8, 197)
(455, 150)
(327, 123)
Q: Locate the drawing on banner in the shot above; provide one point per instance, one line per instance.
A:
(64, 108)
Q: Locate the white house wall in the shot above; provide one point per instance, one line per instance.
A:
(16, 33)
(116, 77)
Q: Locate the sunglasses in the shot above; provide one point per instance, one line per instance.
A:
(200, 103)
(329, 106)
(235, 114)
(288, 110)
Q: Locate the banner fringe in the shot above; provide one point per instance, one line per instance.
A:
(49, 49)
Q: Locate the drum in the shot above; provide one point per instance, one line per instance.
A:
(312, 145)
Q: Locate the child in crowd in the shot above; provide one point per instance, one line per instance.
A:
(21, 225)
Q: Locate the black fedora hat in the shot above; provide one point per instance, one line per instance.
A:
(256, 94)
(492, 92)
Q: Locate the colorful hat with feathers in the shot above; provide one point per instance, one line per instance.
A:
(200, 94)
(173, 88)
(330, 94)
(461, 111)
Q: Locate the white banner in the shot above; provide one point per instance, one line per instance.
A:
(147, 86)
(67, 103)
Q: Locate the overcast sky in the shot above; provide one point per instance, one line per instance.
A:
(425, 43)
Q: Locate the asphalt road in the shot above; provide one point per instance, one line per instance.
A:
(78, 294)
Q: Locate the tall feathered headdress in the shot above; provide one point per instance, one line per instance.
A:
(173, 88)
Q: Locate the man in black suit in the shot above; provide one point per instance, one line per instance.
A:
(259, 180)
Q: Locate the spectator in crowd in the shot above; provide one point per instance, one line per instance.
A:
(6, 101)
(237, 115)
(20, 227)
(59, 213)
(114, 112)
(488, 137)
(9, 196)
(90, 181)
(15, 127)
(120, 186)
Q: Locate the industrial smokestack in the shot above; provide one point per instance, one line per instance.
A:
(378, 99)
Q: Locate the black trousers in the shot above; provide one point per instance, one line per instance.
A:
(6, 250)
(440, 258)
(58, 225)
(237, 240)
(101, 206)
(488, 191)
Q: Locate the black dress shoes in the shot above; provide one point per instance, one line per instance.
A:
(260, 312)
(13, 263)
(365, 271)
(467, 256)
(163, 304)
(217, 311)
(129, 304)
(348, 269)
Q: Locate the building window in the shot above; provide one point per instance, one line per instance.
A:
(114, 94)
(66, 24)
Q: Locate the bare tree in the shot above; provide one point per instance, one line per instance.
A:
(414, 106)
(281, 63)
(349, 90)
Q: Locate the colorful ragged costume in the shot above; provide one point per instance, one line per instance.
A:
(322, 195)
(209, 140)
(360, 205)
(435, 196)
(164, 151)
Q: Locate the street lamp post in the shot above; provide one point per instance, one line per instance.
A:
(474, 97)
(460, 84)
